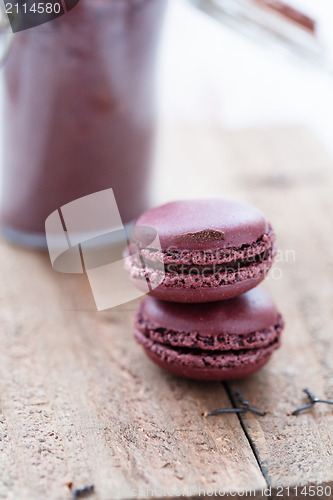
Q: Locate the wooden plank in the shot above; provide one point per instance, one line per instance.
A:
(298, 198)
(287, 174)
(80, 402)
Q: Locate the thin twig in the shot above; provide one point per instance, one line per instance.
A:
(313, 401)
(245, 406)
(82, 491)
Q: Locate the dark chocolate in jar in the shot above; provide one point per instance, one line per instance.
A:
(80, 112)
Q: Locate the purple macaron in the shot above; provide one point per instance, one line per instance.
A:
(223, 340)
(209, 250)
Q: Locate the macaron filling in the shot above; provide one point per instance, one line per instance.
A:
(196, 340)
(197, 269)
(222, 351)
(214, 268)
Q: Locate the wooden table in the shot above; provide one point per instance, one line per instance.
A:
(79, 401)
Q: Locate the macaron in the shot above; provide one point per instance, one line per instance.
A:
(209, 250)
(223, 340)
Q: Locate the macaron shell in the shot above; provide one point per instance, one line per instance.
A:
(202, 224)
(216, 341)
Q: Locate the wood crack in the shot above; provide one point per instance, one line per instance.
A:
(251, 442)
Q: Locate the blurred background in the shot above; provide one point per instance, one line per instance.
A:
(217, 72)
(211, 73)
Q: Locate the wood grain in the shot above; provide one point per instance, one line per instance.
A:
(287, 174)
(80, 403)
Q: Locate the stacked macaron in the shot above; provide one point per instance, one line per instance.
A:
(204, 318)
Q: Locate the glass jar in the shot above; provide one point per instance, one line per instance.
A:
(79, 113)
